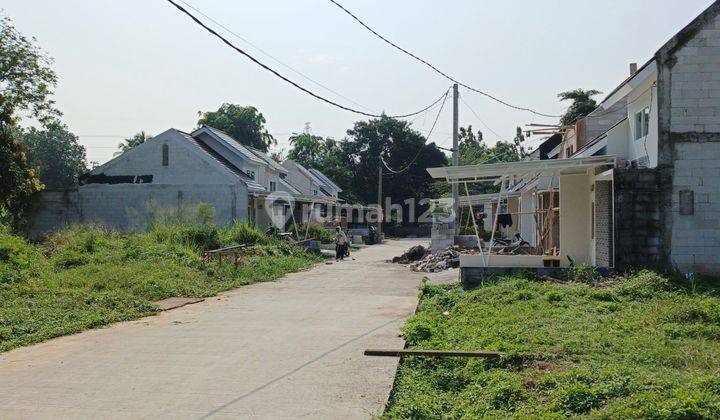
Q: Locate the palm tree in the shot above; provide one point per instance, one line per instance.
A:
(582, 105)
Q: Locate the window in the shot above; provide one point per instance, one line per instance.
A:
(642, 123)
(315, 192)
(251, 174)
(569, 151)
(165, 155)
(273, 186)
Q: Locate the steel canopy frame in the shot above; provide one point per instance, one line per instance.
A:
(503, 172)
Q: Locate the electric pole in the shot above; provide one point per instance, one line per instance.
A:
(455, 154)
(380, 209)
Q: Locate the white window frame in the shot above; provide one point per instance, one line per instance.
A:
(273, 186)
(642, 123)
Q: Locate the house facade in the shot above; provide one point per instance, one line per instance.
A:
(637, 181)
(173, 173)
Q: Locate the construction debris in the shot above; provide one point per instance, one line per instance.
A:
(421, 259)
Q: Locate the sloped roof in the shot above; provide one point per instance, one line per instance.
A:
(267, 159)
(289, 187)
(325, 180)
(305, 172)
(230, 142)
(251, 183)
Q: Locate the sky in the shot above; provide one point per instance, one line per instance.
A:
(131, 65)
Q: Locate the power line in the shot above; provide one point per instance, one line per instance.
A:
(423, 145)
(296, 85)
(481, 120)
(299, 73)
(387, 41)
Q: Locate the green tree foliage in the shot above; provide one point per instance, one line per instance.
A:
(135, 140)
(308, 150)
(55, 154)
(26, 82)
(402, 148)
(582, 105)
(244, 123)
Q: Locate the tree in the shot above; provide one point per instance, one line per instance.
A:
(55, 154)
(129, 143)
(244, 123)
(403, 150)
(582, 105)
(307, 150)
(26, 83)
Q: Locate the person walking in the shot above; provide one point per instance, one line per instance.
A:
(341, 241)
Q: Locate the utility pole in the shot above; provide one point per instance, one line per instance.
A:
(455, 154)
(380, 209)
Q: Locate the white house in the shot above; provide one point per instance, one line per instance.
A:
(176, 171)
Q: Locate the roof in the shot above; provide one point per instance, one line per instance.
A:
(325, 180)
(626, 81)
(598, 138)
(289, 187)
(305, 172)
(492, 171)
(476, 199)
(267, 159)
(230, 142)
(251, 183)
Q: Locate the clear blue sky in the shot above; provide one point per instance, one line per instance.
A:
(132, 65)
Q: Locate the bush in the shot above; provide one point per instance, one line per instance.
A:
(318, 232)
(242, 233)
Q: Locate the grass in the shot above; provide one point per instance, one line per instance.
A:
(87, 278)
(641, 346)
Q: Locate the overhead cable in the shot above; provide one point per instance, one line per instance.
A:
(296, 85)
(440, 72)
(423, 145)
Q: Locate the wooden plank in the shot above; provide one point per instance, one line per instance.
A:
(431, 353)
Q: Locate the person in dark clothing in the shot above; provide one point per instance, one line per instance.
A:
(340, 244)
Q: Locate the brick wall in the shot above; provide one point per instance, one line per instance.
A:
(695, 82)
(696, 227)
(638, 227)
(604, 227)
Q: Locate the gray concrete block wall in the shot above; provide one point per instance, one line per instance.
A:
(130, 206)
(695, 83)
(638, 227)
(604, 224)
(696, 236)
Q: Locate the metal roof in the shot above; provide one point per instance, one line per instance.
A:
(267, 159)
(252, 185)
(495, 171)
(324, 179)
(230, 142)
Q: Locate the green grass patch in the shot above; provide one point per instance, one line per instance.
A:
(641, 346)
(86, 278)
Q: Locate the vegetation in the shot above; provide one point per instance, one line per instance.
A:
(88, 277)
(582, 104)
(318, 232)
(26, 82)
(244, 123)
(641, 346)
(55, 154)
(136, 140)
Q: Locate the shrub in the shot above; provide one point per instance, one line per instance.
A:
(318, 232)
(644, 284)
(242, 233)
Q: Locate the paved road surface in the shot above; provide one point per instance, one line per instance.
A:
(286, 349)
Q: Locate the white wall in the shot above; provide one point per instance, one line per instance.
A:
(638, 99)
(575, 218)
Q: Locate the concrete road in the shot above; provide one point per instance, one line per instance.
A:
(286, 349)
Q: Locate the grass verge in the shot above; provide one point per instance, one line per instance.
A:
(642, 346)
(87, 278)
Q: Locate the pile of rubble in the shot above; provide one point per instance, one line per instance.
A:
(421, 259)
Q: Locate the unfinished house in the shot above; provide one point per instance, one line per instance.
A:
(637, 181)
